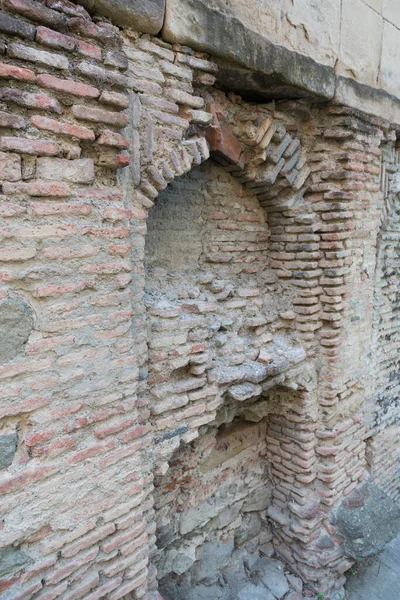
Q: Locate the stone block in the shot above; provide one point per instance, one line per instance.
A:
(16, 323)
(390, 68)
(367, 528)
(77, 171)
(264, 67)
(8, 447)
(360, 48)
(391, 12)
(211, 557)
(146, 16)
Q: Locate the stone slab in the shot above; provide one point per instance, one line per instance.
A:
(146, 16)
(249, 63)
(369, 100)
(16, 323)
(367, 520)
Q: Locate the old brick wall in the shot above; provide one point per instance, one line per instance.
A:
(251, 302)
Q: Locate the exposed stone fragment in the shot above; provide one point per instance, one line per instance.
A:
(367, 528)
(11, 559)
(16, 323)
(8, 447)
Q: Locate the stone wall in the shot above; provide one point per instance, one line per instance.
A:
(358, 38)
(236, 349)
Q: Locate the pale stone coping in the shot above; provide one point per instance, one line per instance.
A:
(370, 100)
(248, 63)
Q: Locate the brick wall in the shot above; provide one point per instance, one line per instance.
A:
(251, 302)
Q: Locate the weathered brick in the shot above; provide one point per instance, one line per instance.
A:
(10, 167)
(98, 115)
(11, 120)
(76, 171)
(116, 59)
(91, 30)
(28, 100)
(37, 12)
(16, 27)
(68, 86)
(110, 138)
(37, 56)
(114, 99)
(69, 8)
(89, 50)
(70, 129)
(37, 188)
(54, 39)
(17, 73)
(29, 146)
(86, 541)
(99, 74)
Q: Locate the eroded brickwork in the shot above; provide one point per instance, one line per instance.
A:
(164, 394)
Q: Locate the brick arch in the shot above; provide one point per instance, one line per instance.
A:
(272, 164)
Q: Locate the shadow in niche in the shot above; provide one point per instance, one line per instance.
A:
(221, 333)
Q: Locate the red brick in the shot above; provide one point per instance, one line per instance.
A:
(69, 8)
(104, 590)
(225, 144)
(36, 12)
(102, 432)
(16, 254)
(89, 50)
(88, 540)
(23, 479)
(114, 99)
(53, 39)
(29, 146)
(27, 405)
(68, 86)
(37, 188)
(42, 57)
(61, 208)
(78, 131)
(71, 566)
(91, 452)
(110, 138)
(28, 100)
(115, 161)
(17, 73)
(87, 69)
(16, 27)
(113, 213)
(54, 290)
(86, 113)
(84, 586)
(90, 30)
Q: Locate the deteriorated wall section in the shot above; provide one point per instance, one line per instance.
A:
(129, 368)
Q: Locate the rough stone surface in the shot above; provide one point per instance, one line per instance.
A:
(16, 323)
(366, 529)
(144, 15)
(11, 560)
(8, 446)
(266, 69)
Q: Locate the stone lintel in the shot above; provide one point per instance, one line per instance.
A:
(146, 16)
(249, 63)
(369, 100)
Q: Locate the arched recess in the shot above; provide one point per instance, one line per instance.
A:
(269, 163)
